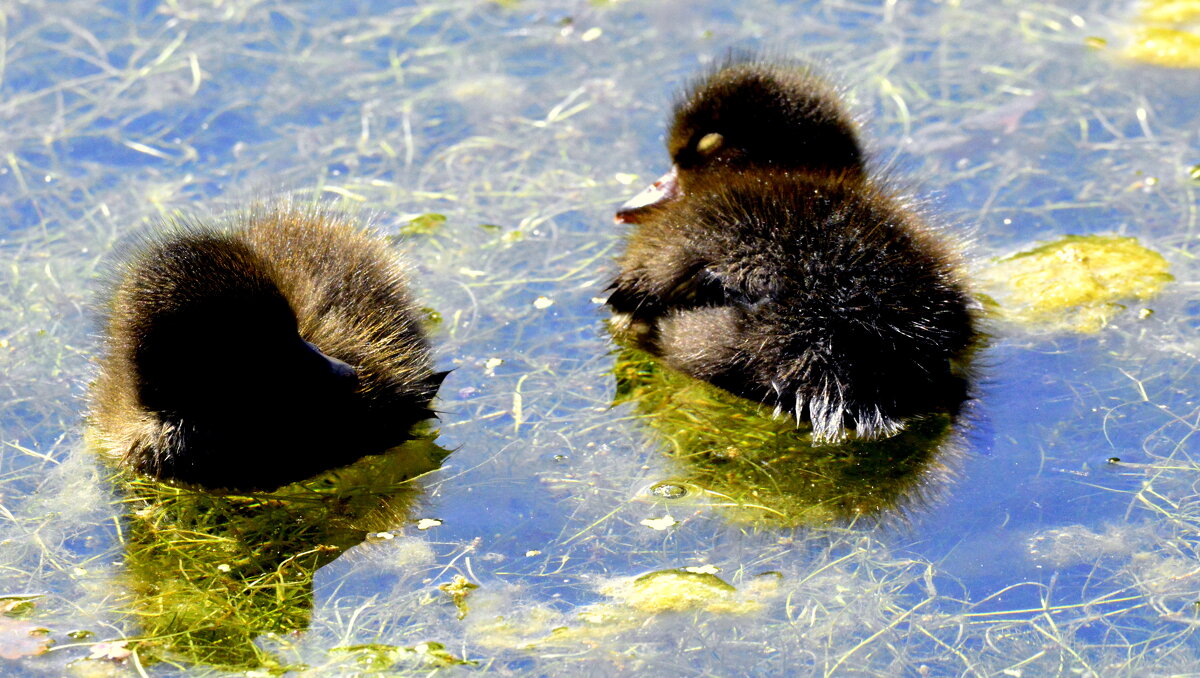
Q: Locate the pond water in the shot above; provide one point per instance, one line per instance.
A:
(523, 537)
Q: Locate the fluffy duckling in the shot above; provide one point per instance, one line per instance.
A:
(768, 264)
(257, 356)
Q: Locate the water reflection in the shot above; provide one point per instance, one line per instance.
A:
(756, 468)
(210, 573)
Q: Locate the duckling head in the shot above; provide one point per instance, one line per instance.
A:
(753, 116)
(257, 356)
(758, 115)
(211, 338)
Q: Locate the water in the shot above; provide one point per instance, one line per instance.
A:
(1027, 552)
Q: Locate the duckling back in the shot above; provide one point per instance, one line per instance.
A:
(260, 355)
(822, 298)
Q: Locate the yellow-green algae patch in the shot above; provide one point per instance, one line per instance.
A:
(1167, 33)
(1076, 284)
(1171, 11)
(677, 590)
(1165, 47)
(633, 602)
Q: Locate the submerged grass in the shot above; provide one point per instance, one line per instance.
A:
(209, 573)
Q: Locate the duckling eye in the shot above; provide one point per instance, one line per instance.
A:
(709, 143)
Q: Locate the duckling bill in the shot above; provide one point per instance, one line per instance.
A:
(768, 263)
(251, 357)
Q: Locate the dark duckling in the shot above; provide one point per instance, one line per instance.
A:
(767, 263)
(257, 356)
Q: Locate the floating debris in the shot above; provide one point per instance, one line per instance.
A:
(112, 650)
(660, 523)
(1166, 47)
(458, 589)
(432, 318)
(18, 604)
(209, 574)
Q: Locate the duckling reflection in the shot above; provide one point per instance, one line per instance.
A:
(768, 264)
(256, 356)
(760, 469)
(210, 573)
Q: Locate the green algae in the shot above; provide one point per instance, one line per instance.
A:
(424, 224)
(459, 588)
(1077, 283)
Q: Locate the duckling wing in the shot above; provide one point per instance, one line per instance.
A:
(647, 294)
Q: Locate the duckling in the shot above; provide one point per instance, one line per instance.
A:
(769, 264)
(256, 356)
